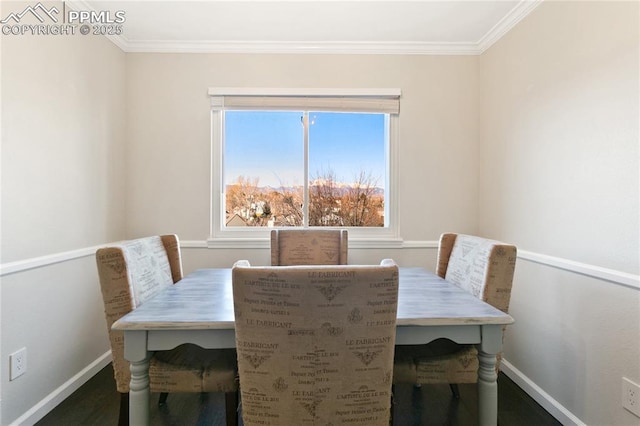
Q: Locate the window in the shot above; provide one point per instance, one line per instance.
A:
(290, 158)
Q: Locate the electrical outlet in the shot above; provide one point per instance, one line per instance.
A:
(631, 396)
(18, 363)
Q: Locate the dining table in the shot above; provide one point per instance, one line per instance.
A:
(199, 309)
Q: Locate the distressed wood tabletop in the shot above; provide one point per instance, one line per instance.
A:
(204, 300)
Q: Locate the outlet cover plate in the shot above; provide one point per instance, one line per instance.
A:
(18, 363)
(631, 396)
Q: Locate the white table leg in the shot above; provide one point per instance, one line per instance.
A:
(135, 351)
(487, 390)
(139, 393)
(487, 377)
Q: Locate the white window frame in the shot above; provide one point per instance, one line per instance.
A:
(362, 100)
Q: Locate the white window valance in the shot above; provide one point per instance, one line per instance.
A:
(384, 101)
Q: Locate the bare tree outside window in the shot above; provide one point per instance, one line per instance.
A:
(331, 203)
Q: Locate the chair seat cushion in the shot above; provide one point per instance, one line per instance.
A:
(441, 361)
(190, 368)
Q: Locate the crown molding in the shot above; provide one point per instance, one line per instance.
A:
(510, 20)
(345, 47)
(519, 12)
(77, 5)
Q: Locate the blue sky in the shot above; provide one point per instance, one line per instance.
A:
(269, 145)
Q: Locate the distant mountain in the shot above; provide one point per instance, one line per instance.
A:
(341, 188)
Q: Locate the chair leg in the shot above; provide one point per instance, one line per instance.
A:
(163, 398)
(392, 413)
(454, 390)
(231, 407)
(123, 418)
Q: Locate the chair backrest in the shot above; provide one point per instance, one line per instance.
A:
(130, 273)
(480, 266)
(309, 247)
(315, 343)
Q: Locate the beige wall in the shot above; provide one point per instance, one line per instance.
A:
(169, 133)
(62, 142)
(559, 177)
(63, 123)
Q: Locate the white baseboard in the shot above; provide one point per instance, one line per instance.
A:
(52, 400)
(557, 410)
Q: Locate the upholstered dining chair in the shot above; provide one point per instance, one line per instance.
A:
(485, 269)
(130, 273)
(309, 247)
(315, 343)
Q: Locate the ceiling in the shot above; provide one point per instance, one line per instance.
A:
(322, 26)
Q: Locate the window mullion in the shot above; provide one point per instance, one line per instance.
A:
(305, 206)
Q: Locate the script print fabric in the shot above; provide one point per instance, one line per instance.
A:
(315, 344)
(308, 247)
(468, 264)
(148, 267)
(484, 268)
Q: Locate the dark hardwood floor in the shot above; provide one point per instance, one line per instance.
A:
(96, 403)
